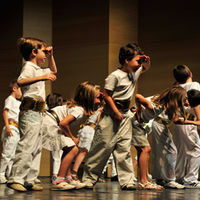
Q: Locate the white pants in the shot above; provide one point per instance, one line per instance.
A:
(28, 148)
(8, 152)
(187, 142)
(113, 168)
(56, 156)
(164, 153)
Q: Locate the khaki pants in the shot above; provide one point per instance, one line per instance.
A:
(28, 149)
(114, 137)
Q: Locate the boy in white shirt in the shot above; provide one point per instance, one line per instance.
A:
(10, 132)
(186, 137)
(114, 131)
(32, 81)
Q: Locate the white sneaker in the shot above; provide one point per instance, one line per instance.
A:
(61, 184)
(37, 181)
(174, 185)
(76, 183)
(194, 185)
(88, 184)
(3, 180)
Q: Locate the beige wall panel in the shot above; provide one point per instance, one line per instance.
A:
(80, 36)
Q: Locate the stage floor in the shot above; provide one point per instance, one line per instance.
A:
(102, 191)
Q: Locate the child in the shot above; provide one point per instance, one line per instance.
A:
(141, 143)
(32, 80)
(10, 133)
(113, 131)
(52, 101)
(164, 153)
(58, 125)
(186, 137)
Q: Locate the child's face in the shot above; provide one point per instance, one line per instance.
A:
(97, 97)
(133, 64)
(17, 91)
(41, 56)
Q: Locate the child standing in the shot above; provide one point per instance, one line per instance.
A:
(10, 133)
(32, 80)
(113, 131)
(186, 137)
(164, 153)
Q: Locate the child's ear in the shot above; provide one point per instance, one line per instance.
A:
(34, 52)
(190, 74)
(126, 61)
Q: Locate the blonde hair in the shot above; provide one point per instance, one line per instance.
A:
(172, 100)
(84, 96)
(26, 45)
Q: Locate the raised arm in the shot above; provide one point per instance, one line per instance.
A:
(51, 61)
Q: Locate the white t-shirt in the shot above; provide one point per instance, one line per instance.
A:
(121, 85)
(190, 86)
(147, 115)
(12, 104)
(37, 89)
(63, 111)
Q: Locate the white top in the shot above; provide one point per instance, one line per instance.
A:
(120, 83)
(37, 89)
(147, 115)
(190, 86)
(93, 118)
(12, 104)
(63, 111)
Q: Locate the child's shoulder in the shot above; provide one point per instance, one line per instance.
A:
(118, 73)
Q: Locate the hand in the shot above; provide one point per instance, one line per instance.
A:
(49, 51)
(119, 116)
(50, 76)
(9, 132)
(145, 61)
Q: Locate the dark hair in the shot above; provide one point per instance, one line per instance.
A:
(53, 100)
(26, 45)
(181, 73)
(193, 97)
(12, 84)
(128, 52)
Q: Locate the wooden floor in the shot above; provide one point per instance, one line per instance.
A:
(101, 191)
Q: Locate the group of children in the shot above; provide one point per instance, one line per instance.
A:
(96, 126)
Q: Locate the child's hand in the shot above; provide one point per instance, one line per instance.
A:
(49, 51)
(50, 76)
(9, 132)
(145, 61)
(119, 116)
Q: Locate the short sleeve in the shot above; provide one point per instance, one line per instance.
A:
(9, 104)
(138, 73)
(111, 82)
(26, 72)
(77, 112)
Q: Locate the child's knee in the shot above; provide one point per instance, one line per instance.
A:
(75, 150)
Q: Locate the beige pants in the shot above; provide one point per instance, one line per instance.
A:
(114, 137)
(28, 149)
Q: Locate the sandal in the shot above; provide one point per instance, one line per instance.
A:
(149, 186)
